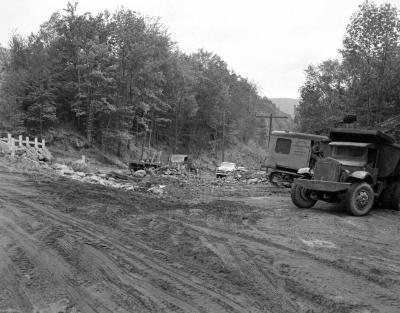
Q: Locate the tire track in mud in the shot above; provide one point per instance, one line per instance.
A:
(139, 284)
(12, 293)
(148, 265)
(250, 239)
(155, 297)
(293, 284)
(62, 219)
(272, 286)
(320, 299)
(379, 261)
(40, 258)
(237, 258)
(125, 263)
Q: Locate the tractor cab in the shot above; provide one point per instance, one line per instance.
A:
(290, 151)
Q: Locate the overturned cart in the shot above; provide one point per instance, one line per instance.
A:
(150, 159)
(363, 168)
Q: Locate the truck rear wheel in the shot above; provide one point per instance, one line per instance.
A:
(387, 195)
(300, 197)
(395, 203)
(359, 199)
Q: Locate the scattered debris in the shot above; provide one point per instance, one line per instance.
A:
(118, 175)
(139, 173)
(158, 190)
(105, 179)
(253, 181)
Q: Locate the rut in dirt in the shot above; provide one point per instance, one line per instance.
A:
(92, 249)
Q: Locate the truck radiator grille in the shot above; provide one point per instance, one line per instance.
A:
(327, 170)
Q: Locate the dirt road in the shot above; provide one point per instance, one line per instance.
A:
(67, 246)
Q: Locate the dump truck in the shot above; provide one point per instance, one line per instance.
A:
(361, 169)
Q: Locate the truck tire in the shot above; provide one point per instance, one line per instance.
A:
(359, 199)
(387, 195)
(300, 198)
(395, 203)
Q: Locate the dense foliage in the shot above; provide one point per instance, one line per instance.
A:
(365, 82)
(119, 79)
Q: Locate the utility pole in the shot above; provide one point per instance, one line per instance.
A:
(270, 117)
(227, 99)
(223, 136)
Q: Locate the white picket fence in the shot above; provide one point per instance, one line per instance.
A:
(14, 143)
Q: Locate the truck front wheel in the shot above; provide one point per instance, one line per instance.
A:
(359, 199)
(300, 197)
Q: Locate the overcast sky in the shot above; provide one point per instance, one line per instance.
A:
(270, 42)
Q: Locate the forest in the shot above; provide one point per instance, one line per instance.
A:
(119, 79)
(364, 82)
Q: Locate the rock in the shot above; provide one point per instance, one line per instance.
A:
(58, 166)
(120, 175)
(195, 211)
(20, 152)
(80, 174)
(97, 179)
(151, 171)
(67, 171)
(158, 190)
(252, 181)
(140, 173)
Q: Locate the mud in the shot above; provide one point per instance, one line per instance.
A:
(67, 246)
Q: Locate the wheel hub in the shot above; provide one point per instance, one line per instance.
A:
(362, 199)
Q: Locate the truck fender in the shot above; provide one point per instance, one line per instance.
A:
(362, 175)
(304, 170)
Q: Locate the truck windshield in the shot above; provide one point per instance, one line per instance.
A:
(348, 153)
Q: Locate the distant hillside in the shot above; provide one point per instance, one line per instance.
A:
(286, 104)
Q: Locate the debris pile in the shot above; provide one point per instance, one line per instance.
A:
(112, 179)
(248, 178)
(171, 171)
